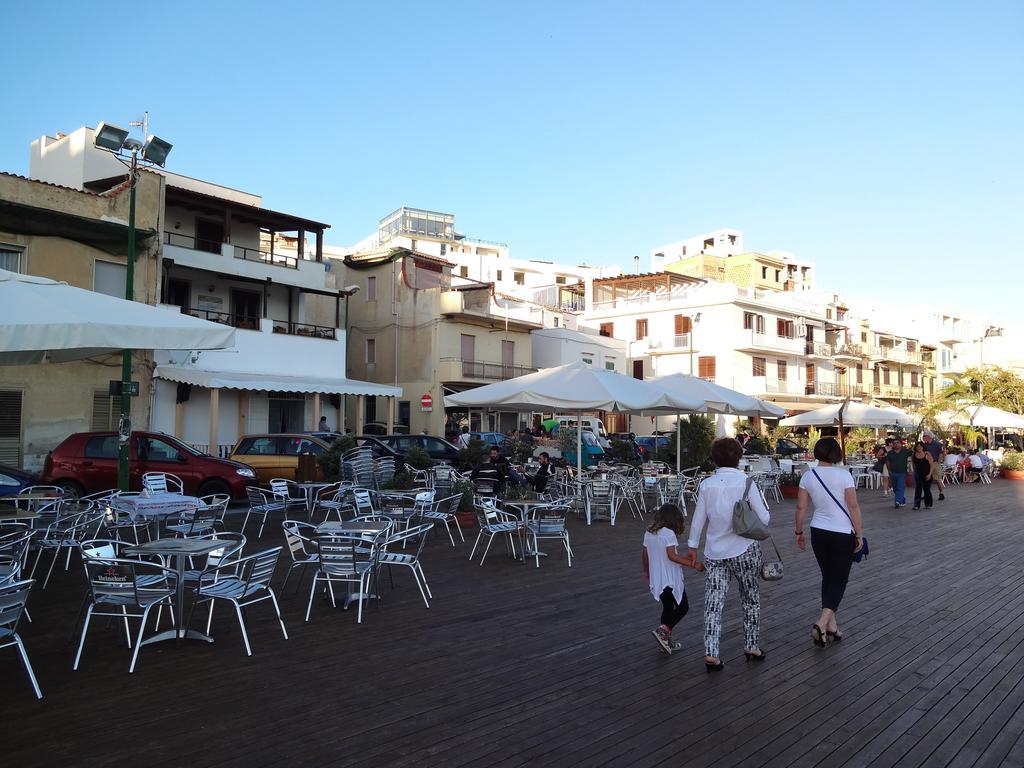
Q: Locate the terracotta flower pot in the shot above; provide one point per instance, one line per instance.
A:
(1013, 474)
(466, 519)
(789, 491)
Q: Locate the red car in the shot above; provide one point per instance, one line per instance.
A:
(87, 463)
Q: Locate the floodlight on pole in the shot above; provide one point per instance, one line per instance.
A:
(156, 150)
(110, 137)
(115, 140)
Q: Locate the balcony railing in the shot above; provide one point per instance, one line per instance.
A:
(305, 329)
(480, 369)
(224, 318)
(241, 252)
(819, 349)
(849, 350)
(680, 341)
(747, 339)
(828, 388)
(896, 392)
(897, 355)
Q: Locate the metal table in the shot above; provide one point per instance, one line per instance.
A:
(180, 550)
(309, 489)
(524, 506)
(156, 507)
(353, 526)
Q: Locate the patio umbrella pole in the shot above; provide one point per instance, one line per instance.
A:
(679, 435)
(579, 450)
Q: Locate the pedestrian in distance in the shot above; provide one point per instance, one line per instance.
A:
(836, 533)
(728, 555)
(897, 462)
(924, 468)
(663, 567)
(464, 438)
(938, 454)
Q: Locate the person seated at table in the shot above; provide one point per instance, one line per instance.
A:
(494, 471)
(975, 465)
(543, 473)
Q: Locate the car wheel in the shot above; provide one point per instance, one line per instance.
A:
(72, 487)
(214, 485)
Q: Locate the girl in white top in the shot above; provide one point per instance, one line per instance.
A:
(835, 531)
(663, 567)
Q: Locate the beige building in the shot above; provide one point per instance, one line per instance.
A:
(415, 326)
(80, 238)
(767, 271)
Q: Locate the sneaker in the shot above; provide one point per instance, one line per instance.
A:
(915, 508)
(665, 641)
(942, 497)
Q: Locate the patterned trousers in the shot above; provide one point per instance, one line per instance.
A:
(746, 569)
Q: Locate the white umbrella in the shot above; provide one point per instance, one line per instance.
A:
(717, 399)
(986, 417)
(574, 387)
(42, 319)
(851, 415)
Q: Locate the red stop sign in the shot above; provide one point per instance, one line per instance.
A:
(426, 402)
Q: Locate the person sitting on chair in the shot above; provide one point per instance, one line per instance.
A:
(543, 473)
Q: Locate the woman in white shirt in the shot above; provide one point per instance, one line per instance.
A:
(835, 531)
(726, 555)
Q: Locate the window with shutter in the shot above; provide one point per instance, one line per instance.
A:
(10, 427)
(706, 367)
(607, 329)
(104, 412)
(783, 370)
(759, 366)
(641, 329)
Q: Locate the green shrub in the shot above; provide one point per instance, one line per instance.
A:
(465, 487)
(758, 446)
(329, 461)
(418, 458)
(623, 452)
(400, 481)
(696, 435)
(1013, 460)
(520, 450)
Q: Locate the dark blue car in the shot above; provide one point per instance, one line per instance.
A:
(14, 480)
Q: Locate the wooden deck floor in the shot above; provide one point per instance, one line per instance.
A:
(555, 666)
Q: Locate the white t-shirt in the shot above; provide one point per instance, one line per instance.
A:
(718, 494)
(664, 573)
(464, 439)
(976, 462)
(827, 514)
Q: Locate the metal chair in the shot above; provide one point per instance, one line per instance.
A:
(416, 535)
(495, 522)
(349, 559)
(198, 522)
(68, 532)
(242, 583)
(549, 523)
(444, 510)
(162, 482)
(261, 504)
(125, 589)
(600, 501)
(14, 545)
(299, 538)
(13, 598)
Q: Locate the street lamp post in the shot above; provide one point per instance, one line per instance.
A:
(154, 150)
(348, 293)
(693, 333)
(990, 332)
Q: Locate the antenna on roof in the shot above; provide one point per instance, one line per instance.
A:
(143, 124)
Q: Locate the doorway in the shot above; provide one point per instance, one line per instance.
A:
(209, 235)
(287, 411)
(245, 309)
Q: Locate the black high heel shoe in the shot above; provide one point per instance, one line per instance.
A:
(713, 666)
(759, 656)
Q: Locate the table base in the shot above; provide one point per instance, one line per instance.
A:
(174, 634)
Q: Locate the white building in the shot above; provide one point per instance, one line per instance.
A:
(219, 260)
(774, 345)
(557, 346)
(718, 242)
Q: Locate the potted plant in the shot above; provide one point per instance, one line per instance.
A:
(789, 484)
(466, 515)
(1012, 465)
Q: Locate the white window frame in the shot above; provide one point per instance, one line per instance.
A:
(16, 249)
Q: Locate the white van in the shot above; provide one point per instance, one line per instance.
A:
(590, 423)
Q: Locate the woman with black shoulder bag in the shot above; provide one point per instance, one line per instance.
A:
(836, 533)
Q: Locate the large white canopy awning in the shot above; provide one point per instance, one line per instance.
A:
(851, 414)
(270, 382)
(983, 416)
(717, 399)
(42, 319)
(574, 387)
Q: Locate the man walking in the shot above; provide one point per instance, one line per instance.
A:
(935, 449)
(897, 461)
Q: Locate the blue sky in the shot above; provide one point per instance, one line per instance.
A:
(882, 140)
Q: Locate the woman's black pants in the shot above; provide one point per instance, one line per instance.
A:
(834, 552)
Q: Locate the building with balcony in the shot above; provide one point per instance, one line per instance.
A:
(415, 326)
(771, 344)
(560, 288)
(720, 256)
(219, 258)
(80, 238)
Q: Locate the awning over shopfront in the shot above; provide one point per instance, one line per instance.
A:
(269, 382)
